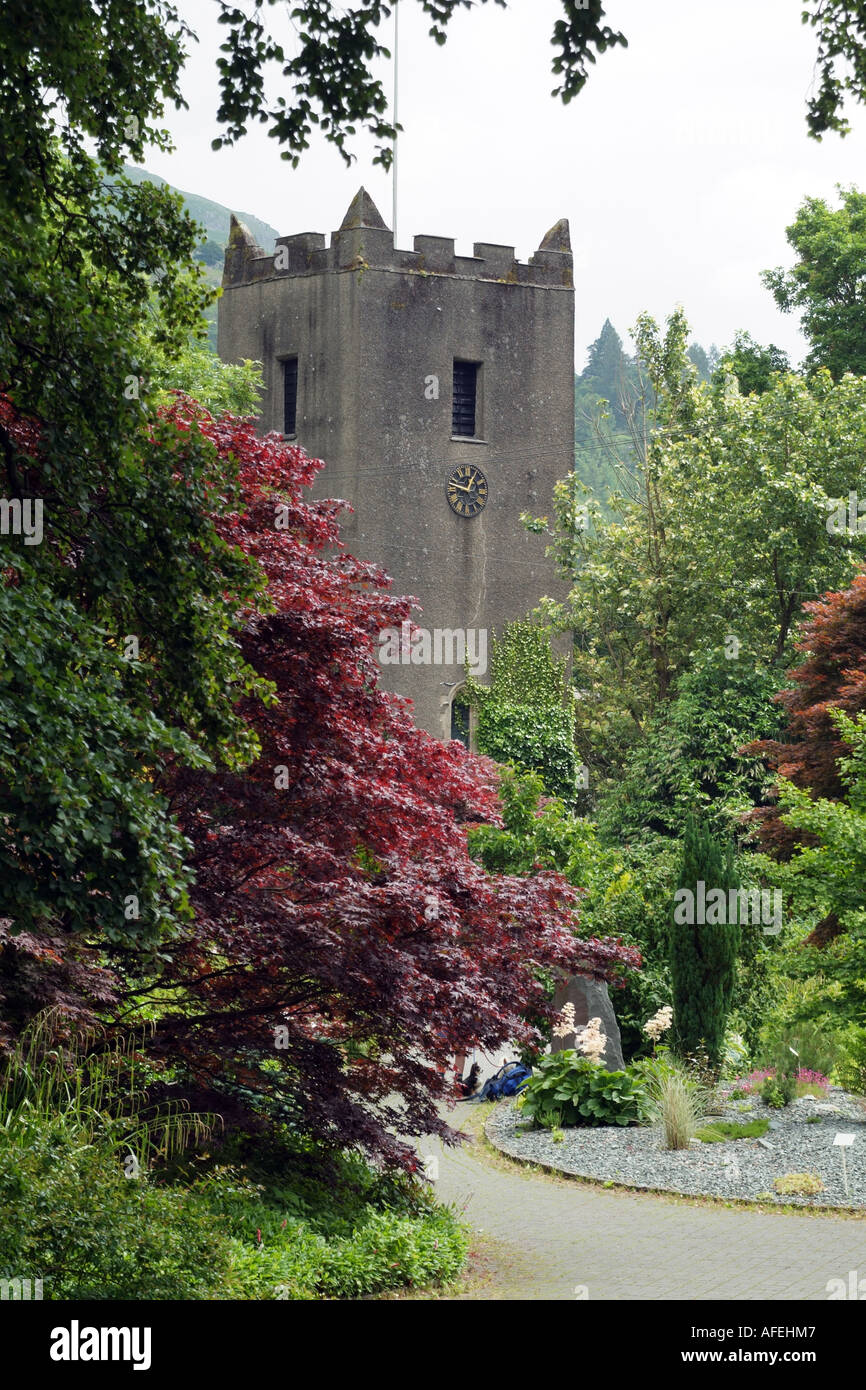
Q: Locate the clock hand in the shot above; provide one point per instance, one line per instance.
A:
(460, 487)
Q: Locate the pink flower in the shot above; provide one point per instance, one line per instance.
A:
(813, 1078)
(755, 1078)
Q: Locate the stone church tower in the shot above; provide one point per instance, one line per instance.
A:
(439, 389)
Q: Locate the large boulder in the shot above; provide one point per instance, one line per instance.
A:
(590, 999)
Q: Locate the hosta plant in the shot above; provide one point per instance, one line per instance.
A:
(568, 1090)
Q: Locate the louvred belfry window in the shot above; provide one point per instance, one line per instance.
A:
(290, 395)
(465, 398)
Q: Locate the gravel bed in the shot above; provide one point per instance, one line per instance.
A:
(741, 1168)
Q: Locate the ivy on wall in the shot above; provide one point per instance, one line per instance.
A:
(526, 713)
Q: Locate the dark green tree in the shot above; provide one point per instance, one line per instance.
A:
(703, 953)
(606, 366)
(827, 283)
(752, 364)
(605, 393)
(690, 757)
(119, 641)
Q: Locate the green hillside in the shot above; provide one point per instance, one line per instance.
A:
(214, 217)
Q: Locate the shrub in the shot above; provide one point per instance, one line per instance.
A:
(851, 1068)
(387, 1251)
(77, 1207)
(798, 1185)
(285, 1271)
(777, 1094)
(70, 1216)
(569, 1090)
(304, 1223)
(818, 1046)
(391, 1251)
(343, 1246)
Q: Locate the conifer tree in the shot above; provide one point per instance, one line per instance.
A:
(608, 374)
(605, 362)
(703, 953)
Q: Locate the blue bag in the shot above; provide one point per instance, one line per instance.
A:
(510, 1079)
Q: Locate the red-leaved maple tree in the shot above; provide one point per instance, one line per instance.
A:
(832, 676)
(345, 944)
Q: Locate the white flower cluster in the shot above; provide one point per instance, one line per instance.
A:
(659, 1023)
(592, 1040)
(565, 1022)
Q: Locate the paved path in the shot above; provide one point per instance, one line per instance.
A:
(548, 1238)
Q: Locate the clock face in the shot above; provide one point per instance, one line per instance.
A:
(467, 490)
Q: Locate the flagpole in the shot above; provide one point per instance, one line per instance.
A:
(396, 88)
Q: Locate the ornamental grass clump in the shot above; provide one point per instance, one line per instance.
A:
(678, 1101)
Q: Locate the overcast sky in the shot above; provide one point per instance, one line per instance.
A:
(678, 167)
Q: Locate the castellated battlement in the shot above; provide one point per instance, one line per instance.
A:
(364, 242)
